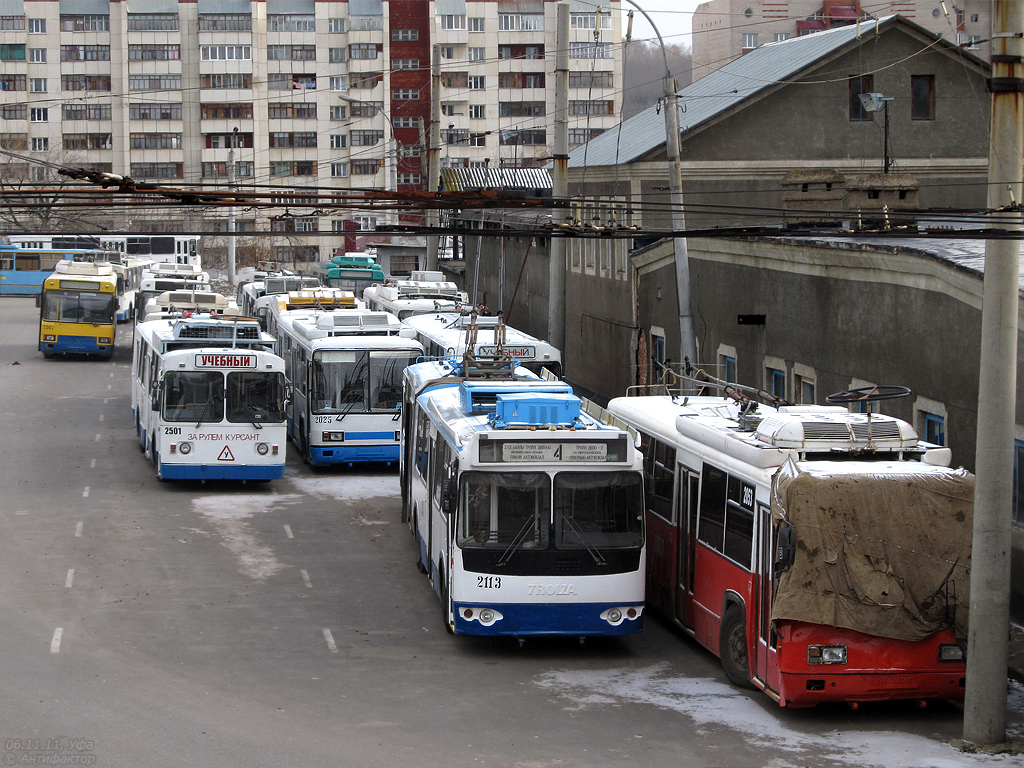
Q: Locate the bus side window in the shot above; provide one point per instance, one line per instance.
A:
(422, 443)
(711, 526)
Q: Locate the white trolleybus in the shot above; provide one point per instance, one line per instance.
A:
(347, 366)
(527, 512)
(823, 555)
(444, 334)
(208, 396)
(270, 285)
(421, 293)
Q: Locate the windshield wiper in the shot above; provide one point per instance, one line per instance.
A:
(203, 414)
(516, 541)
(598, 557)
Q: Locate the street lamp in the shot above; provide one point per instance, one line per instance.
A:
(873, 102)
(392, 144)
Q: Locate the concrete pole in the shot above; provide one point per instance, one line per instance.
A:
(988, 635)
(559, 179)
(434, 153)
(231, 211)
(687, 336)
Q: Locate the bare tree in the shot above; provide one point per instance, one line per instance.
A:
(644, 74)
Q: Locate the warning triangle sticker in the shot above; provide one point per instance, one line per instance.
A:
(226, 455)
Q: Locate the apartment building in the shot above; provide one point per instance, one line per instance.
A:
(302, 94)
(724, 30)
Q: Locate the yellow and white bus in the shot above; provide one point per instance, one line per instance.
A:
(78, 310)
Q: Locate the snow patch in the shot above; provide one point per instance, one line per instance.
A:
(352, 488)
(228, 515)
(708, 702)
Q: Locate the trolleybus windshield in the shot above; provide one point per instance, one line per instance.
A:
(199, 396)
(358, 380)
(74, 306)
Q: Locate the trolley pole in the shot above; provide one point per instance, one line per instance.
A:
(988, 635)
(434, 154)
(231, 210)
(559, 180)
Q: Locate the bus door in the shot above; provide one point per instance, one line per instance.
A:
(687, 494)
(765, 666)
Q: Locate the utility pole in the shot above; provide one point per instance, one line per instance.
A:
(988, 635)
(559, 179)
(231, 210)
(434, 153)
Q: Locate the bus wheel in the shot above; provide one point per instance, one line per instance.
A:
(446, 606)
(416, 538)
(732, 646)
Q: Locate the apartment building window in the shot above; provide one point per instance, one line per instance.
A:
(39, 115)
(922, 97)
(13, 141)
(40, 144)
(405, 94)
(451, 21)
(37, 85)
(148, 52)
(12, 52)
(528, 138)
(477, 112)
(154, 82)
(803, 386)
(292, 140)
(39, 173)
(156, 111)
(521, 109)
(603, 107)
(339, 83)
(157, 170)
(521, 80)
(338, 141)
(291, 53)
(398, 64)
(408, 150)
(520, 22)
(12, 23)
(85, 53)
(780, 36)
(84, 23)
(279, 110)
(362, 23)
(591, 51)
(226, 52)
(447, 52)
(775, 381)
(13, 82)
(366, 138)
(85, 141)
(336, 25)
(338, 112)
(405, 34)
(579, 136)
(339, 170)
(453, 136)
(227, 111)
(365, 223)
(37, 26)
(233, 81)
(476, 24)
(155, 141)
(364, 81)
(409, 179)
(448, 110)
(455, 79)
(363, 51)
(934, 428)
(366, 108)
(858, 85)
(283, 81)
(220, 170)
(477, 82)
(477, 54)
(225, 22)
(589, 20)
(85, 82)
(153, 22)
(290, 23)
(407, 122)
(337, 55)
(727, 367)
(590, 79)
(366, 167)
(292, 168)
(37, 55)
(478, 139)
(84, 112)
(749, 40)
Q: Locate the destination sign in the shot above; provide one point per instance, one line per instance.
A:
(520, 352)
(552, 452)
(225, 361)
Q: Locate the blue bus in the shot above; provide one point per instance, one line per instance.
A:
(23, 270)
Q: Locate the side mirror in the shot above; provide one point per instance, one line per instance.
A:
(785, 549)
(448, 491)
(154, 395)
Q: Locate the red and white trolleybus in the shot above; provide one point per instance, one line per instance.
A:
(823, 555)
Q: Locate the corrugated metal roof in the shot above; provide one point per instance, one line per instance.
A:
(475, 179)
(763, 68)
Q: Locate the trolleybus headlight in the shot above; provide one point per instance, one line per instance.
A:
(951, 653)
(185, 448)
(826, 654)
(262, 449)
(616, 616)
(334, 437)
(105, 340)
(486, 616)
(49, 337)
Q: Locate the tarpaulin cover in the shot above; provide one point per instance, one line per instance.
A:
(884, 552)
